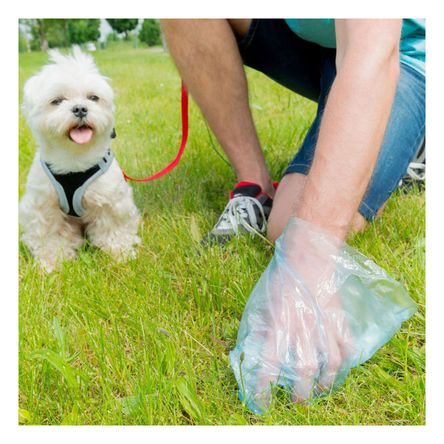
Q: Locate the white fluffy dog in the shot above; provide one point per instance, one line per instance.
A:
(75, 187)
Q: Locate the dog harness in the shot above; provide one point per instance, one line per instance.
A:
(71, 187)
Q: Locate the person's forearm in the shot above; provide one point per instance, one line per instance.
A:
(351, 133)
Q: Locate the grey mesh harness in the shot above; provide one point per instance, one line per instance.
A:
(71, 187)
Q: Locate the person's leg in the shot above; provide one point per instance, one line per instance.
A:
(208, 59)
(272, 48)
(285, 203)
(403, 136)
(269, 46)
(240, 27)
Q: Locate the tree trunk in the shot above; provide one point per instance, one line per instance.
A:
(65, 33)
(164, 43)
(42, 35)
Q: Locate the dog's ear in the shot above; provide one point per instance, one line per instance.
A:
(113, 134)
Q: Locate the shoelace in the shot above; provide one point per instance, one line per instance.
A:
(239, 209)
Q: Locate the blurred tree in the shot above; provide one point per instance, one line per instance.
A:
(23, 42)
(123, 25)
(50, 33)
(150, 32)
(112, 37)
(57, 33)
(46, 33)
(83, 30)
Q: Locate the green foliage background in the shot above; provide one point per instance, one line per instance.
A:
(150, 32)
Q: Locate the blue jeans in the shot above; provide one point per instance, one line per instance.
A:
(309, 70)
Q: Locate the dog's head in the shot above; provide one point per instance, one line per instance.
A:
(69, 104)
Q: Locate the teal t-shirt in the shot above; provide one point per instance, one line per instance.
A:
(322, 32)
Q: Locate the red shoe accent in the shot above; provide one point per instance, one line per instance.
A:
(242, 184)
(246, 184)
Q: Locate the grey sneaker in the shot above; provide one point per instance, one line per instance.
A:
(246, 212)
(416, 170)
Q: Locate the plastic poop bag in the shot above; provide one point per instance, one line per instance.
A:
(319, 309)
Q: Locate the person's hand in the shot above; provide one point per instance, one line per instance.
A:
(319, 309)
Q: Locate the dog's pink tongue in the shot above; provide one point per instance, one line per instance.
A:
(81, 135)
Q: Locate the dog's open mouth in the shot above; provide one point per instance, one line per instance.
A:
(81, 134)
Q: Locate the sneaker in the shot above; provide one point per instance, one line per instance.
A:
(416, 170)
(246, 212)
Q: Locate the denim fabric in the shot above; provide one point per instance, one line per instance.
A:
(309, 70)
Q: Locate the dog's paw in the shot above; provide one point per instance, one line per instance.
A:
(47, 267)
(51, 262)
(121, 252)
(126, 254)
(121, 246)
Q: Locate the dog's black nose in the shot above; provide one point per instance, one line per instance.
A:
(80, 111)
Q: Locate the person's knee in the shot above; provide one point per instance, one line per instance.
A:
(358, 224)
(285, 202)
(276, 226)
(273, 232)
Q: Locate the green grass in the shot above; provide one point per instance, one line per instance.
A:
(146, 342)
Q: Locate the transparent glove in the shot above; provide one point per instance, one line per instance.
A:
(319, 309)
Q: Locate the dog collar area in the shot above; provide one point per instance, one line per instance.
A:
(71, 186)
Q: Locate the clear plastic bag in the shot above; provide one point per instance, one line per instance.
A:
(319, 309)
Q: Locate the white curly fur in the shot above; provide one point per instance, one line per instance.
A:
(111, 218)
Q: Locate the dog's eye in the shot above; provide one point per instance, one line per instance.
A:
(93, 98)
(57, 101)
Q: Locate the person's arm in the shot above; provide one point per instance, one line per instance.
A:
(354, 122)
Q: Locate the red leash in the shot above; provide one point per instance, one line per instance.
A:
(176, 161)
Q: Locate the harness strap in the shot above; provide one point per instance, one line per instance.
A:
(175, 162)
(71, 187)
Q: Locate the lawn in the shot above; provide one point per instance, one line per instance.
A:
(147, 341)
